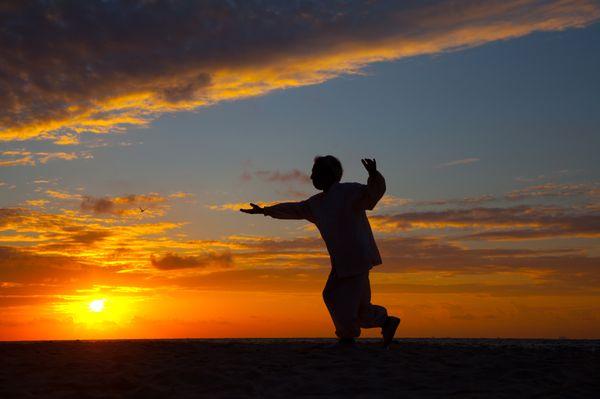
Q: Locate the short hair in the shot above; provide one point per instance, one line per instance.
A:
(332, 164)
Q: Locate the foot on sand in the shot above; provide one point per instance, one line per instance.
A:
(389, 329)
(344, 343)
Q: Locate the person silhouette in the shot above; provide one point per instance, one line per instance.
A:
(338, 212)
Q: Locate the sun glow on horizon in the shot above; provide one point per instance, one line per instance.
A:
(98, 314)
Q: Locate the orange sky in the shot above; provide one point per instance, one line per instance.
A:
(156, 282)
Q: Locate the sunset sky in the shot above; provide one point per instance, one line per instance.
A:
(483, 116)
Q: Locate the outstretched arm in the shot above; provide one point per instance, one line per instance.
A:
(283, 210)
(375, 186)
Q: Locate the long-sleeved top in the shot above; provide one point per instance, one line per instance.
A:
(340, 216)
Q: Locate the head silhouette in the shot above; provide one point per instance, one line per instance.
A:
(326, 171)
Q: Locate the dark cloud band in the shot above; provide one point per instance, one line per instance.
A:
(76, 66)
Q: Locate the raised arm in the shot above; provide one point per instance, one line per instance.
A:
(283, 210)
(289, 210)
(375, 187)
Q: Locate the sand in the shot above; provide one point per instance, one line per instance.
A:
(411, 368)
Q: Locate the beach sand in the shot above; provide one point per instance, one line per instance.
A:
(300, 368)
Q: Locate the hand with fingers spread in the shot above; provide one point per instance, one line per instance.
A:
(254, 210)
(370, 165)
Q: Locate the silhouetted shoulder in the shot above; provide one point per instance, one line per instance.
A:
(316, 196)
(352, 186)
(352, 189)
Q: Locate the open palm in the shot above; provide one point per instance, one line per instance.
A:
(369, 164)
(254, 210)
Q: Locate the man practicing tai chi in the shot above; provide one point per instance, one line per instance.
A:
(339, 214)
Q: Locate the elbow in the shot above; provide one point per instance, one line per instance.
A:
(379, 183)
(382, 188)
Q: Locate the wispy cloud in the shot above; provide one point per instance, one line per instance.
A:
(127, 206)
(173, 261)
(289, 179)
(556, 190)
(63, 195)
(392, 201)
(465, 161)
(293, 175)
(274, 176)
(98, 66)
(551, 175)
(39, 203)
(181, 195)
(22, 157)
(133, 204)
(465, 201)
(511, 223)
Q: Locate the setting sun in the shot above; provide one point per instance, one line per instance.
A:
(97, 305)
(96, 315)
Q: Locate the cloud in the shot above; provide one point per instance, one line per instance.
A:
(24, 266)
(67, 139)
(290, 192)
(466, 201)
(512, 223)
(62, 195)
(90, 237)
(465, 161)
(294, 176)
(551, 175)
(39, 203)
(57, 254)
(413, 254)
(288, 179)
(17, 159)
(22, 157)
(556, 190)
(44, 157)
(95, 239)
(99, 66)
(128, 205)
(172, 261)
(546, 190)
(391, 201)
(181, 195)
(520, 271)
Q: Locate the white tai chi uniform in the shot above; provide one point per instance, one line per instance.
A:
(340, 216)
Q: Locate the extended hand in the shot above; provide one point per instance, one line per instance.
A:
(254, 210)
(369, 164)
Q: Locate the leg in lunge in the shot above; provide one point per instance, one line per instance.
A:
(369, 315)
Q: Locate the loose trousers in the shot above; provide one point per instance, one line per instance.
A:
(348, 300)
